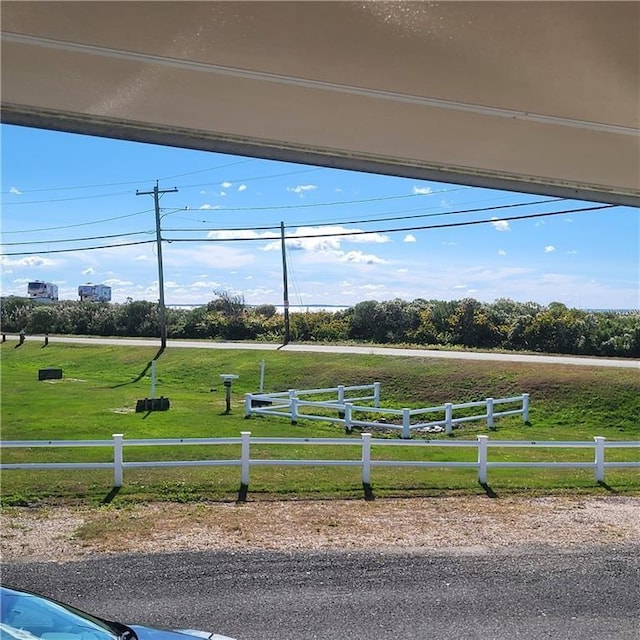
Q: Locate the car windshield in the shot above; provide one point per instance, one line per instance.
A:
(30, 617)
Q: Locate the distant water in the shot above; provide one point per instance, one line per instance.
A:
(625, 312)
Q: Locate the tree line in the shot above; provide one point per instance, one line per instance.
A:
(467, 323)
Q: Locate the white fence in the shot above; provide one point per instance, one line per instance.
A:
(290, 404)
(365, 462)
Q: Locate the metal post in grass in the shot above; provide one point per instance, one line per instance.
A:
(525, 407)
(483, 441)
(153, 379)
(448, 418)
(245, 458)
(293, 406)
(490, 422)
(376, 394)
(366, 458)
(118, 459)
(340, 394)
(599, 458)
(406, 423)
(247, 405)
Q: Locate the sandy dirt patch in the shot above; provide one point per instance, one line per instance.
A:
(68, 533)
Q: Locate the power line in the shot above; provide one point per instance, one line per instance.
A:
(117, 184)
(113, 235)
(399, 229)
(188, 186)
(329, 235)
(386, 219)
(338, 203)
(105, 246)
(83, 224)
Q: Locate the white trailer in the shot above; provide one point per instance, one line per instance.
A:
(94, 293)
(42, 291)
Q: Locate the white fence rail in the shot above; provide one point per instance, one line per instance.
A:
(365, 462)
(290, 404)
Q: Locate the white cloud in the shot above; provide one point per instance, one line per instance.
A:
(567, 219)
(89, 271)
(549, 248)
(27, 261)
(573, 252)
(402, 270)
(242, 187)
(450, 244)
(209, 206)
(115, 282)
(203, 192)
(500, 225)
(223, 193)
(502, 252)
(226, 185)
(422, 190)
(301, 189)
(242, 234)
(15, 191)
(409, 238)
(142, 258)
(357, 257)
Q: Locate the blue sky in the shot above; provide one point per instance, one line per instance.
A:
(62, 191)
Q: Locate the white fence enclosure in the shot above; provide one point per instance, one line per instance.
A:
(296, 405)
(365, 461)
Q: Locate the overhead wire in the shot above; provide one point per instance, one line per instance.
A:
(113, 235)
(105, 246)
(188, 186)
(385, 219)
(335, 234)
(83, 224)
(401, 229)
(117, 184)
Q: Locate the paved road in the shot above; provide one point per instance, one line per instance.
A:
(421, 353)
(461, 595)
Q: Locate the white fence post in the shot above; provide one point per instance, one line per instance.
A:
(117, 460)
(406, 423)
(376, 395)
(247, 405)
(448, 417)
(599, 458)
(293, 406)
(366, 458)
(245, 457)
(340, 394)
(348, 410)
(525, 407)
(482, 459)
(490, 422)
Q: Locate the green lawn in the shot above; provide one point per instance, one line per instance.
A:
(98, 394)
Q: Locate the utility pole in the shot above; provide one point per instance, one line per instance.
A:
(162, 316)
(287, 331)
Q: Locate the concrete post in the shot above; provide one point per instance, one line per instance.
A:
(366, 458)
(118, 459)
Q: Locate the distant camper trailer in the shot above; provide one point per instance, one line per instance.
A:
(42, 291)
(94, 293)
